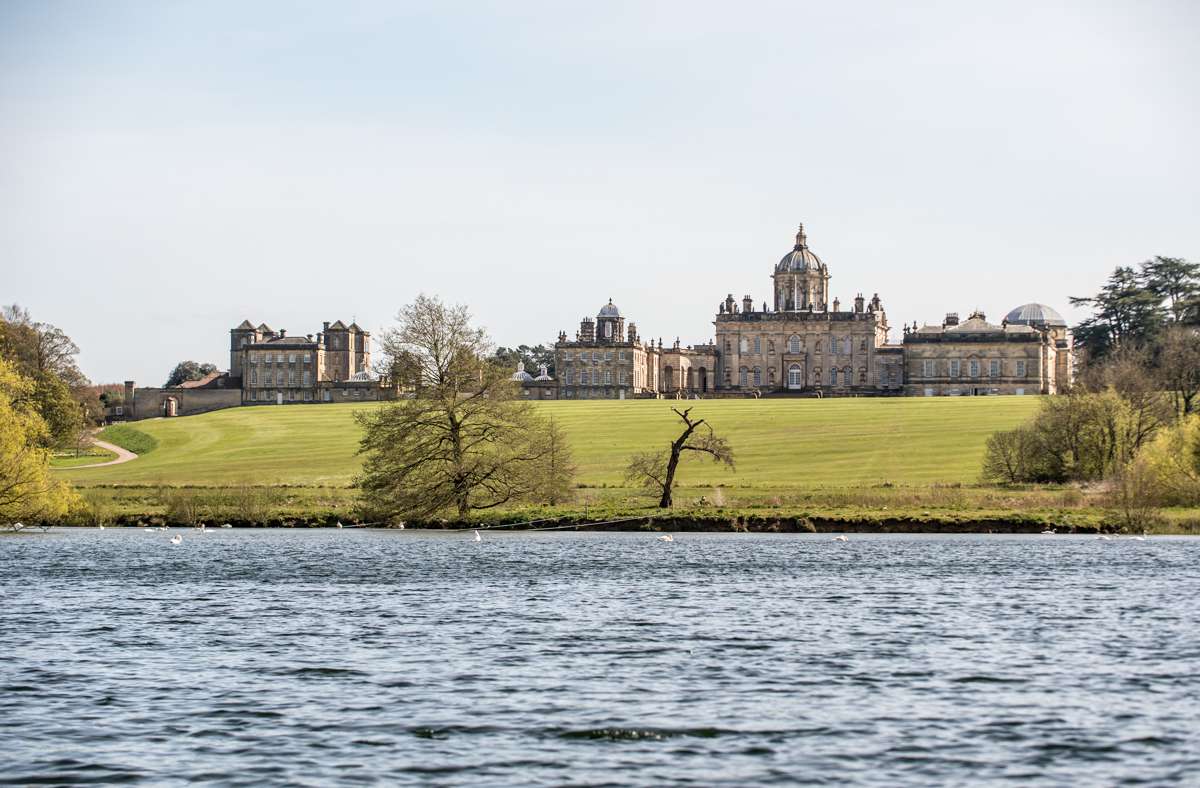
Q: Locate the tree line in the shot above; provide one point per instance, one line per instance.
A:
(1131, 418)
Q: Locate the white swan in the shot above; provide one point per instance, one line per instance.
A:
(1105, 537)
(177, 539)
(226, 525)
(841, 538)
(1048, 532)
(1137, 538)
(478, 538)
(147, 529)
(339, 524)
(666, 538)
(100, 526)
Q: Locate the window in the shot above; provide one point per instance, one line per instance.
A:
(279, 377)
(794, 345)
(620, 355)
(743, 376)
(608, 377)
(292, 378)
(254, 377)
(1021, 369)
(974, 368)
(253, 356)
(595, 355)
(307, 378)
(608, 329)
(833, 376)
(308, 358)
(834, 346)
(994, 368)
(254, 396)
(757, 345)
(758, 376)
(621, 377)
(267, 358)
(608, 355)
(955, 368)
(291, 358)
(291, 395)
(584, 378)
(927, 368)
(794, 379)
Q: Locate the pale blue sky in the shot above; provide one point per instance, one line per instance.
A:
(170, 168)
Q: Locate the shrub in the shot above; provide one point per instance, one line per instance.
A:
(1173, 460)
(1132, 497)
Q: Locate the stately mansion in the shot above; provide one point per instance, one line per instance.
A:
(806, 342)
(803, 342)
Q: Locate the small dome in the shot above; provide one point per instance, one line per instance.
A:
(609, 310)
(1035, 315)
(801, 258)
(362, 377)
(542, 375)
(521, 376)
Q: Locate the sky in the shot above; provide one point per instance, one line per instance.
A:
(168, 169)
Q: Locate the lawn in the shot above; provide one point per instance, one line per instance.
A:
(780, 444)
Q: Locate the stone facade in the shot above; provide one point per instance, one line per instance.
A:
(804, 343)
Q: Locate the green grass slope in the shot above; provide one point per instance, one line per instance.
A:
(779, 443)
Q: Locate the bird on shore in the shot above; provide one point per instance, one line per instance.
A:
(478, 538)
(666, 538)
(177, 539)
(841, 538)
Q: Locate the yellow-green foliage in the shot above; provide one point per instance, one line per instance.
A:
(1173, 461)
(27, 490)
(781, 444)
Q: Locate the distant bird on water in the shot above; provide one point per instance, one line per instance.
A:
(1048, 532)
(841, 538)
(1137, 538)
(100, 526)
(478, 538)
(1105, 537)
(177, 539)
(666, 538)
(339, 524)
(226, 525)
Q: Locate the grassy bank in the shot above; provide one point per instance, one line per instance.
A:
(848, 462)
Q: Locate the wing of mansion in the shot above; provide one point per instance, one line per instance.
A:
(803, 342)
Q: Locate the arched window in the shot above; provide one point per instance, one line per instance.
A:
(833, 346)
(758, 376)
(794, 379)
(794, 345)
(833, 376)
(757, 345)
(743, 377)
(668, 378)
(847, 376)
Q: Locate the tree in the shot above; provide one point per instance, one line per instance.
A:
(554, 479)
(532, 357)
(657, 470)
(1179, 366)
(1125, 310)
(38, 348)
(1175, 281)
(461, 442)
(27, 490)
(188, 370)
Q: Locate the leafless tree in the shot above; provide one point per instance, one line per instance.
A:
(657, 470)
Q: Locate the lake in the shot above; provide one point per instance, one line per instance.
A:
(572, 658)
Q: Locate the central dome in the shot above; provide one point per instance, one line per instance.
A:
(801, 258)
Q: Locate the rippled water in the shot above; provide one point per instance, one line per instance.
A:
(319, 657)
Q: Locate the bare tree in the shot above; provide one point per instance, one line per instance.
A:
(1179, 366)
(461, 442)
(657, 470)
